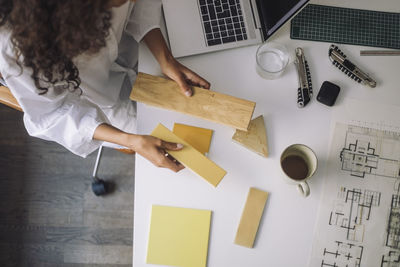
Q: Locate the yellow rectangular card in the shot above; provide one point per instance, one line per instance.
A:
(190, 157)
(178, 236)
(198, 138)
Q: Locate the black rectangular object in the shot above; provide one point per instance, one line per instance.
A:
(347, 26)
(328, 93)
(273, 14)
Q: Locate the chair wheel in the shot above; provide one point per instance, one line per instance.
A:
(99, 187)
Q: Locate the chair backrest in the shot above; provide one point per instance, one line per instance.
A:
(7, 98)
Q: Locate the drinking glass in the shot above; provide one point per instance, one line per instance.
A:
(271, 60)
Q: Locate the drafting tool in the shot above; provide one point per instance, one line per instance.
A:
(190, 157)
(178, 236)
(251, 216)
(380, 53)
(205, 104)
(255, 138)
(304, 92)
(339, 60)
(347, 26)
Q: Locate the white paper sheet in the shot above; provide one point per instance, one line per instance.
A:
(359, 216)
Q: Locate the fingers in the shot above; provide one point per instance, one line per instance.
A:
(177, 163)
(198, 81)
(170, 146)
(186, 90)
(167, 161)
(184, 77)
(194, 79)
(154, 149)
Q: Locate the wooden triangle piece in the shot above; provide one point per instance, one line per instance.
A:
(255, 139)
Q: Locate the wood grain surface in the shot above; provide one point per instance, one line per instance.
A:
(251, 216)
(255, 139)
(8, 99)
(48, 214)
(205, 104)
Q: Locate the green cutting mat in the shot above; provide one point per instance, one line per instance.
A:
(347, 26)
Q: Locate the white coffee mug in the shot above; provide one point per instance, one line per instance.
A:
(298, 163)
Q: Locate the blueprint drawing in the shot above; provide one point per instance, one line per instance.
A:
(358, 221)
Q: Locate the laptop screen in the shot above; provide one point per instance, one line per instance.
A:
(273, 13)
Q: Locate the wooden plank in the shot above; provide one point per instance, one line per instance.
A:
(190, 157)
(205, 104)
(58, 264)
(54, 216)
(45, 203)
(21, 254)
(199, 138)
(251, 217)
(22, 233)
(108, 219)
(8, 99)
(89, 236)
(98, 254)
(255, 138)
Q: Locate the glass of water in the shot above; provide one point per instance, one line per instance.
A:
(271, 60)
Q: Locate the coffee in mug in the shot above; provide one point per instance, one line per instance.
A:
(298, 163)
(295, 167)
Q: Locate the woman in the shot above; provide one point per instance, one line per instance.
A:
(70, 64)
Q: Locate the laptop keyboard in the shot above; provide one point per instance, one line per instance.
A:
(222, 21)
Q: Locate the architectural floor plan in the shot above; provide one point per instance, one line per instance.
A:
(359, 217)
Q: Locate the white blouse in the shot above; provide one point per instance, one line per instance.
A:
(70, 118)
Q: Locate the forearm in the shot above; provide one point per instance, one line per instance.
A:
(150, 147)
(108, 133)
(158, 47)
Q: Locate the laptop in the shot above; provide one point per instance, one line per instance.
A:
(201, 26)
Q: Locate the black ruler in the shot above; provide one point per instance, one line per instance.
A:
(347, 26)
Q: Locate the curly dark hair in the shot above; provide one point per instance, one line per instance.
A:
(49, 34)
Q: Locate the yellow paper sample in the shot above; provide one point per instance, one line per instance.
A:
(190, 157)
(198, 138)
(251, 217)
(178, 236)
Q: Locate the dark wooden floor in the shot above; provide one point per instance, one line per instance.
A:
(48, 214)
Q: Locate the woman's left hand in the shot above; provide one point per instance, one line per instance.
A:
(183, 76)
(170, 66)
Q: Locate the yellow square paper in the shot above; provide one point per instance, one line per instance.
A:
(178, 236)
(198, 138)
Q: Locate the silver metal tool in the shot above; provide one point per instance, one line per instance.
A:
(304, 92)
(339, 60)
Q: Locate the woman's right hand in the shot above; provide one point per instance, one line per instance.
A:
(154, 149)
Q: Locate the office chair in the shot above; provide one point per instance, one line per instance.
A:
(99, 186)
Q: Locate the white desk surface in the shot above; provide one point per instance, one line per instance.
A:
(286, 231)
